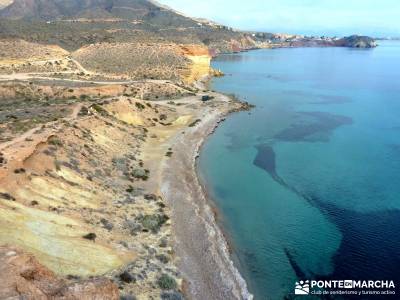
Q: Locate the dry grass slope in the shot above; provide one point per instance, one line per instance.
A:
(20, 49)
(138, 61)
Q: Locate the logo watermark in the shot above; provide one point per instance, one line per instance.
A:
(345, 287)
(302, 287)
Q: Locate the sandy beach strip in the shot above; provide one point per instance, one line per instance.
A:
(203, 253)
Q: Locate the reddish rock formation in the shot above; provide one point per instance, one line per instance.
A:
(194, 50)
(22, 277)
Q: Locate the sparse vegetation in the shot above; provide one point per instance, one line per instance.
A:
(136, 60)
(166, 282)
(206, 98)
(171, 295)
(57, 165)
(127, 297)
(193, 124)
(140, 174)
(153, 222)
(150, 197)
(140, 106)
(7, 196)
(84, 97)
(98, 108)
(55, 141)
(163, 258)
(107, 224)
(90, 236)
(126, 277)
(19, 171)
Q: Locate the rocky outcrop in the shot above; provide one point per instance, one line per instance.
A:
(356, 41)
(217, 73)
(200, 59)
(23, 277)
(241, 42)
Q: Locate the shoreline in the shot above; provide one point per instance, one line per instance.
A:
(203, 251)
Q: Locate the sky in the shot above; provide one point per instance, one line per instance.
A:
(312, 17)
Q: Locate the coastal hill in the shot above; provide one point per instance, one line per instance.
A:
(74, 23)
(138, 10)
(103, 15)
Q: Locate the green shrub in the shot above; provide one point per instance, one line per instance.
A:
(171, 295)
(140, 174)
(166, 282)
(90, 236)
(55, 141)
(98, 108)
(127, 297)
(57, 165)
(139, 105)
(194, 123)
(163, 258)
(153, 222)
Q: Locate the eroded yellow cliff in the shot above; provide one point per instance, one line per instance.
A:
(200, 62)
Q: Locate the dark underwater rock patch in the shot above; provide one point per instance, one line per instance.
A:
(319, 98)
(330, 99)
(265, 159)
(395, 148)
(318, 129)
(367, 237)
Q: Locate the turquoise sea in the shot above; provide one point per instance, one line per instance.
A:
(308, 183)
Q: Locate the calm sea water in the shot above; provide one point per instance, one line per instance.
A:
(308, 183)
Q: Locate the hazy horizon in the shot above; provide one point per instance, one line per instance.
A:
(309, 17)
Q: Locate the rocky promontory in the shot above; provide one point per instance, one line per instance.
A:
(356, 41)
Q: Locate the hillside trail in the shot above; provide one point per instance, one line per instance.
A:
(80, 67)
(30, 133)
(32, 76)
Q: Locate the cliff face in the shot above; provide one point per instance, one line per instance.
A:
(200, 65)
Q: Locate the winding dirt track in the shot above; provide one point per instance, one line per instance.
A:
(30, 133)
